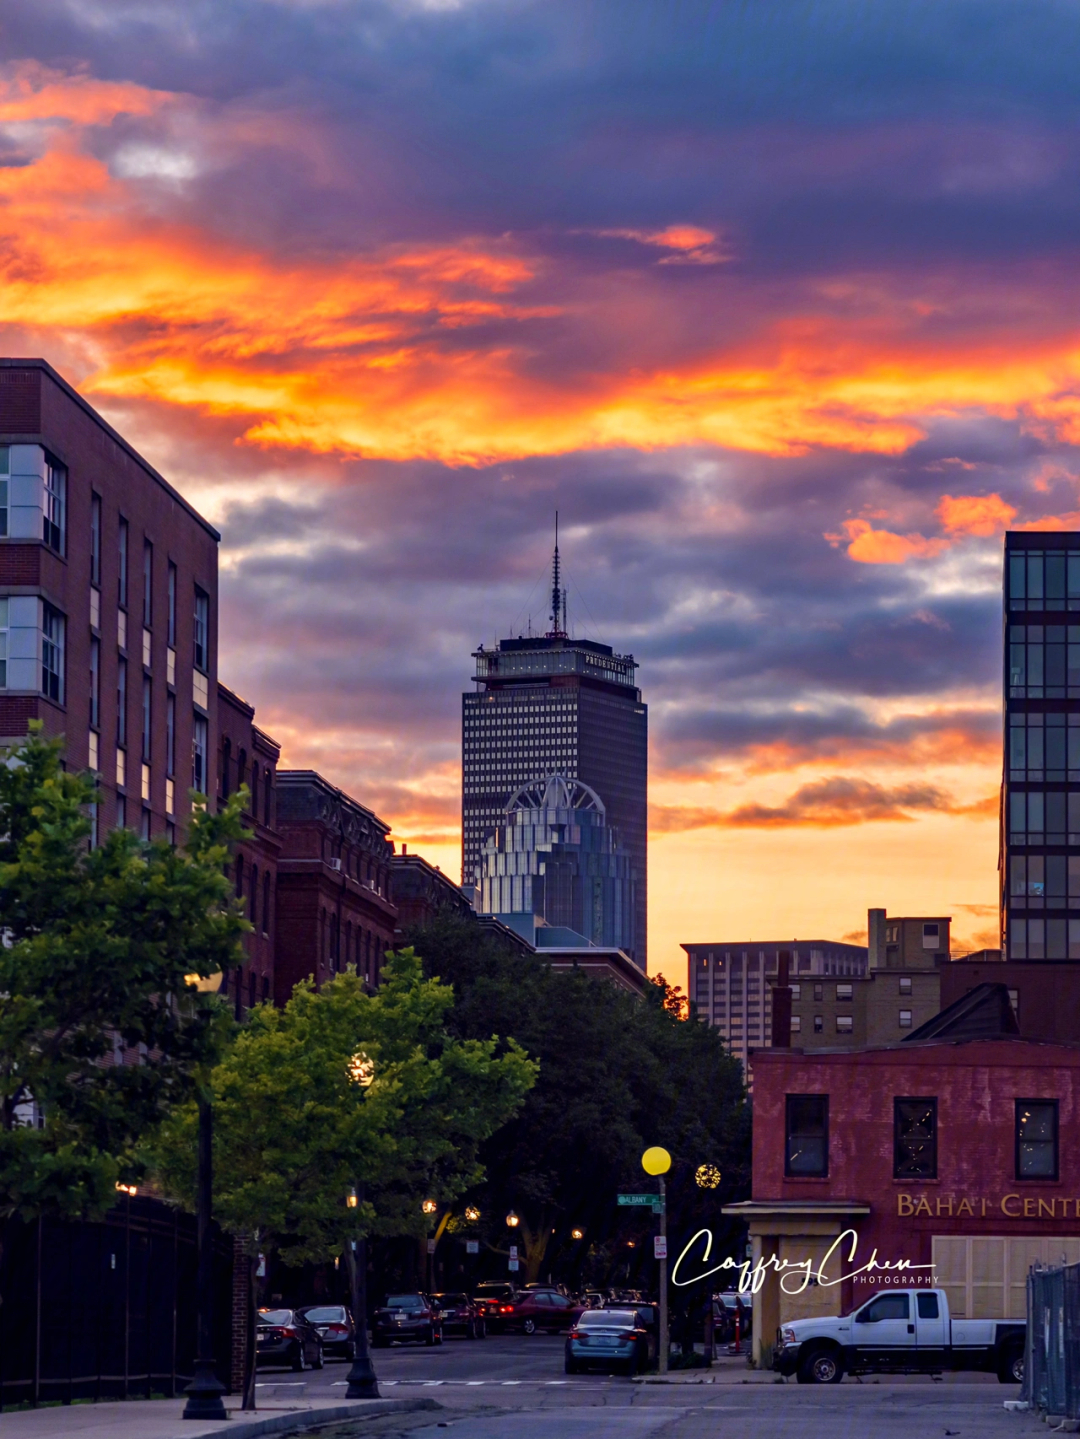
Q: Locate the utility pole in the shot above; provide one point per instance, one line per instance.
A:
(657, 1161)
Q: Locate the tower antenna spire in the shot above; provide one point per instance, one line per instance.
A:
(558, 594)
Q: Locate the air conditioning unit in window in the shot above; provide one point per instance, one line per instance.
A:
(335, 864)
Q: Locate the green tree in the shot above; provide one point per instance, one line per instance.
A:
(617, 1073)
(296, 1128)
(97, 945)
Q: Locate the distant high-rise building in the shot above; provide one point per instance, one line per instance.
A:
(1040, 792)
(555, 862)
(555, 705)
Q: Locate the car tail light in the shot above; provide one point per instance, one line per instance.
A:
(337, 1329)
(290, 1334)
(276, 1333)
(506, 1309)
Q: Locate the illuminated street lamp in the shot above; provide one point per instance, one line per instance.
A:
(512, 1220)
(707, 1176)
(352, 1200)
(429, 1206)
(361, 1069)
(577, 1234)
(472, 1214)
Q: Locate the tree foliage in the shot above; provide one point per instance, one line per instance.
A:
(617, 1074)
(97, 944)
(294, 1131)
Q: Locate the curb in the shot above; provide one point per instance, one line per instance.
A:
(304, 1419)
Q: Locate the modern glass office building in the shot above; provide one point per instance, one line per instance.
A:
(555, 705)
(1040, 793)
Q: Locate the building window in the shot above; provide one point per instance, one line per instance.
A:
(914, 1138)
(253, 898)
(905, 1019)
(267, 792)
(806, 1152)
(121, 812)
(172, 606)
(3, 642)
(819, 1024)
(239, 876)
(844, 1023)
(266, 903)
(844, 991)
(905, 984)
(55, 492)
(819, 992)
(796, 1024)
(95, 540)
(5, 471)
(148, 583)
(226, 763)
(122, 564)
(95, 684)
(170, 736)
(253, 802)
(121, 702)
(796, 991)
(144, 829)
(202, 632)
(147, 707)
(1036, 1139)
(198, 754)
(52, 653)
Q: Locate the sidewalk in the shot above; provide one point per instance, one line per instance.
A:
(161, 1419)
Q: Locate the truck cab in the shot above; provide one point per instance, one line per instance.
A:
(904, 1331)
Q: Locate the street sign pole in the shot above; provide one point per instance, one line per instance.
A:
(663, 1357)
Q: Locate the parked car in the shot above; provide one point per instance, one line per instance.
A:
(283, 1336)
(725, 1309)
(619, 1340)
(460, 1315)
(406, 1317)
(495, 1301)
(335, 1325)
(535, 1309)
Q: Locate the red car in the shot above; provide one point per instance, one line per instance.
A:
(539, 1309)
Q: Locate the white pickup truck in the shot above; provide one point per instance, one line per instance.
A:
(903, 1331)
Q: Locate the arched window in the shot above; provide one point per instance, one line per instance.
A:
(241, 768)
(253, 897)
(254, 801)
(266, 903)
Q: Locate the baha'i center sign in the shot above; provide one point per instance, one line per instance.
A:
(1012, 1206)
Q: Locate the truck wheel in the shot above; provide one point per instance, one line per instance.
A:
(1011, 1368)
(821, 1366)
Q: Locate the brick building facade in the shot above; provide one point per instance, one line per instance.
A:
(333, 904)
(108, 604)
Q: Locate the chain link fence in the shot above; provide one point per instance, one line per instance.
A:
(1052, 1350)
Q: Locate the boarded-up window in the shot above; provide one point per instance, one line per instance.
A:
(985, 1276)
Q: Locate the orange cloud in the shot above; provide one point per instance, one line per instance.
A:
(825, 804)
(882, 547)
(982, 515)
(373, 355)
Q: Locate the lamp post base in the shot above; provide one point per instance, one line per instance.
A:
(204, 1393)
(362, 1380)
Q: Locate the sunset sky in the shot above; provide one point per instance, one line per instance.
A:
(776, 303)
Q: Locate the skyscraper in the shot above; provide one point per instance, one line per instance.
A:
(1040, 792)
(548, 705)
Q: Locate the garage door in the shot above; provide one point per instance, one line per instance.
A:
(985, 1277)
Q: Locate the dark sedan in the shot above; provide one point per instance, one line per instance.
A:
(460, 1315)
(406, 1318)
(335, 1326)
(539, 1309)
(283, 1336)
(621, 1340)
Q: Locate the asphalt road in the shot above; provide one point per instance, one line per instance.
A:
(514, 1387)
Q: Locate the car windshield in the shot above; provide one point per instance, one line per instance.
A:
(275, 1316)
(450, 1298)
(607, 1318)
(334, 1315)
(404, 1301)
(494, 1291)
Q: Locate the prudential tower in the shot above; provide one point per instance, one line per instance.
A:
(554, 705)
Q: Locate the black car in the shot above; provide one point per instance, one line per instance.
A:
(460, 1315)
(406, 1317)
(495, 1301)
(283, 1336)
(335, 1326)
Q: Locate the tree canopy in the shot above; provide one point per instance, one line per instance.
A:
(344, 1090)
(617, 1074)
(100, 1033)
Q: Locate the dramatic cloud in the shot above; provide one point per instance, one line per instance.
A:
(776, 305)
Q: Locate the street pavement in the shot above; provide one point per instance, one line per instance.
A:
(514, 1387)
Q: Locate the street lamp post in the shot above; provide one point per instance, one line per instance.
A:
(361, 1379)
(657, 1161)
(205, 1390)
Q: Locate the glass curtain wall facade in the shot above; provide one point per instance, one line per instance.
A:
(555, 705)
(1040, 793)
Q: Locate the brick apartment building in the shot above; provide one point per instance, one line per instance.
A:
(108, 604)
